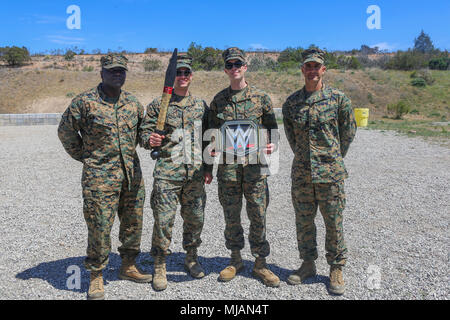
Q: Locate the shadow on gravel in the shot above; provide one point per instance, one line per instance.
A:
(175, 263)
(60, 273)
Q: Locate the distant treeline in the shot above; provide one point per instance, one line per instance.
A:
(423, 55)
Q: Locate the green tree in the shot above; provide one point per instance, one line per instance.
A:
(207, 58)
(408, 60)
(15, 56)
(423, 43)
(366, 50)
(331, 60)
(290, 58)
(212, 59)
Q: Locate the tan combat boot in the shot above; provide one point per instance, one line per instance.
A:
(337, 285)
(235, 266)
(129, 271)
(192, 265)
(261, 271)
(159, 277)
(307, 270)
(96, 290)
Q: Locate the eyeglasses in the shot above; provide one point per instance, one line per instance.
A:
(230, 65)
(183, 73)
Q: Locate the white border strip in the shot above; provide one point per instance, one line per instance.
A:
(37, 119)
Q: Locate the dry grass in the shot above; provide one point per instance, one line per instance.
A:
(49, 83)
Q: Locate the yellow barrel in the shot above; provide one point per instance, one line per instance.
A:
(362, 116)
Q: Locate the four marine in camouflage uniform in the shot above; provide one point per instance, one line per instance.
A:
(242, 101)
(179, 174)
(101, 128)
(319, 125)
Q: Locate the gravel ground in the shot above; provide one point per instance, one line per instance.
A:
(396, 227)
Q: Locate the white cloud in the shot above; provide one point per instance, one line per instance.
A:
(44, 19)
(257, 46)
(65, 40)
(384, 46)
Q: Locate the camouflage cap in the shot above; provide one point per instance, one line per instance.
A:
(184, 61)
(114, 60)
(234, 53)
(315, 55)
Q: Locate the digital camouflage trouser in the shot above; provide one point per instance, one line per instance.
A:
(330, 198)
(166, 196)
(235, 181)
(100, 208)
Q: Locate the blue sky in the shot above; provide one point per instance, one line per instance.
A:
(134, 25)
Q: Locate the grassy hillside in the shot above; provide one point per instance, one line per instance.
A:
(49, 83)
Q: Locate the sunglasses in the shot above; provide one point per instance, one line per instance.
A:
(313, 66)
(183, 73)
(230, 65)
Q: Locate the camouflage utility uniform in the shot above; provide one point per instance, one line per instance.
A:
(238, 179)
(179, 172)
(319, 127)
(103, 135)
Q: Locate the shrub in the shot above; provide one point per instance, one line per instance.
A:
(418, 82)
(434, 114)
(152, 64)
(290, 58)
(207, 58)
(291, 54)
(378, 62)
(289, 65)
(382, 62)
(345, 62)
(88, 68)
(262, 63)
(15, 56)
(69, 55)
(354, 63)
(408, 60)
(441, 63)
(423, 74)
(366, 50)
(399, 109)
(211, 59)
(331, 60)
(151, 50)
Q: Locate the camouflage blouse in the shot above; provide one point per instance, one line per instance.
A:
(319, 129)
(103, 134)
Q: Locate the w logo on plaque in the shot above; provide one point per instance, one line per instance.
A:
(240, 137)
